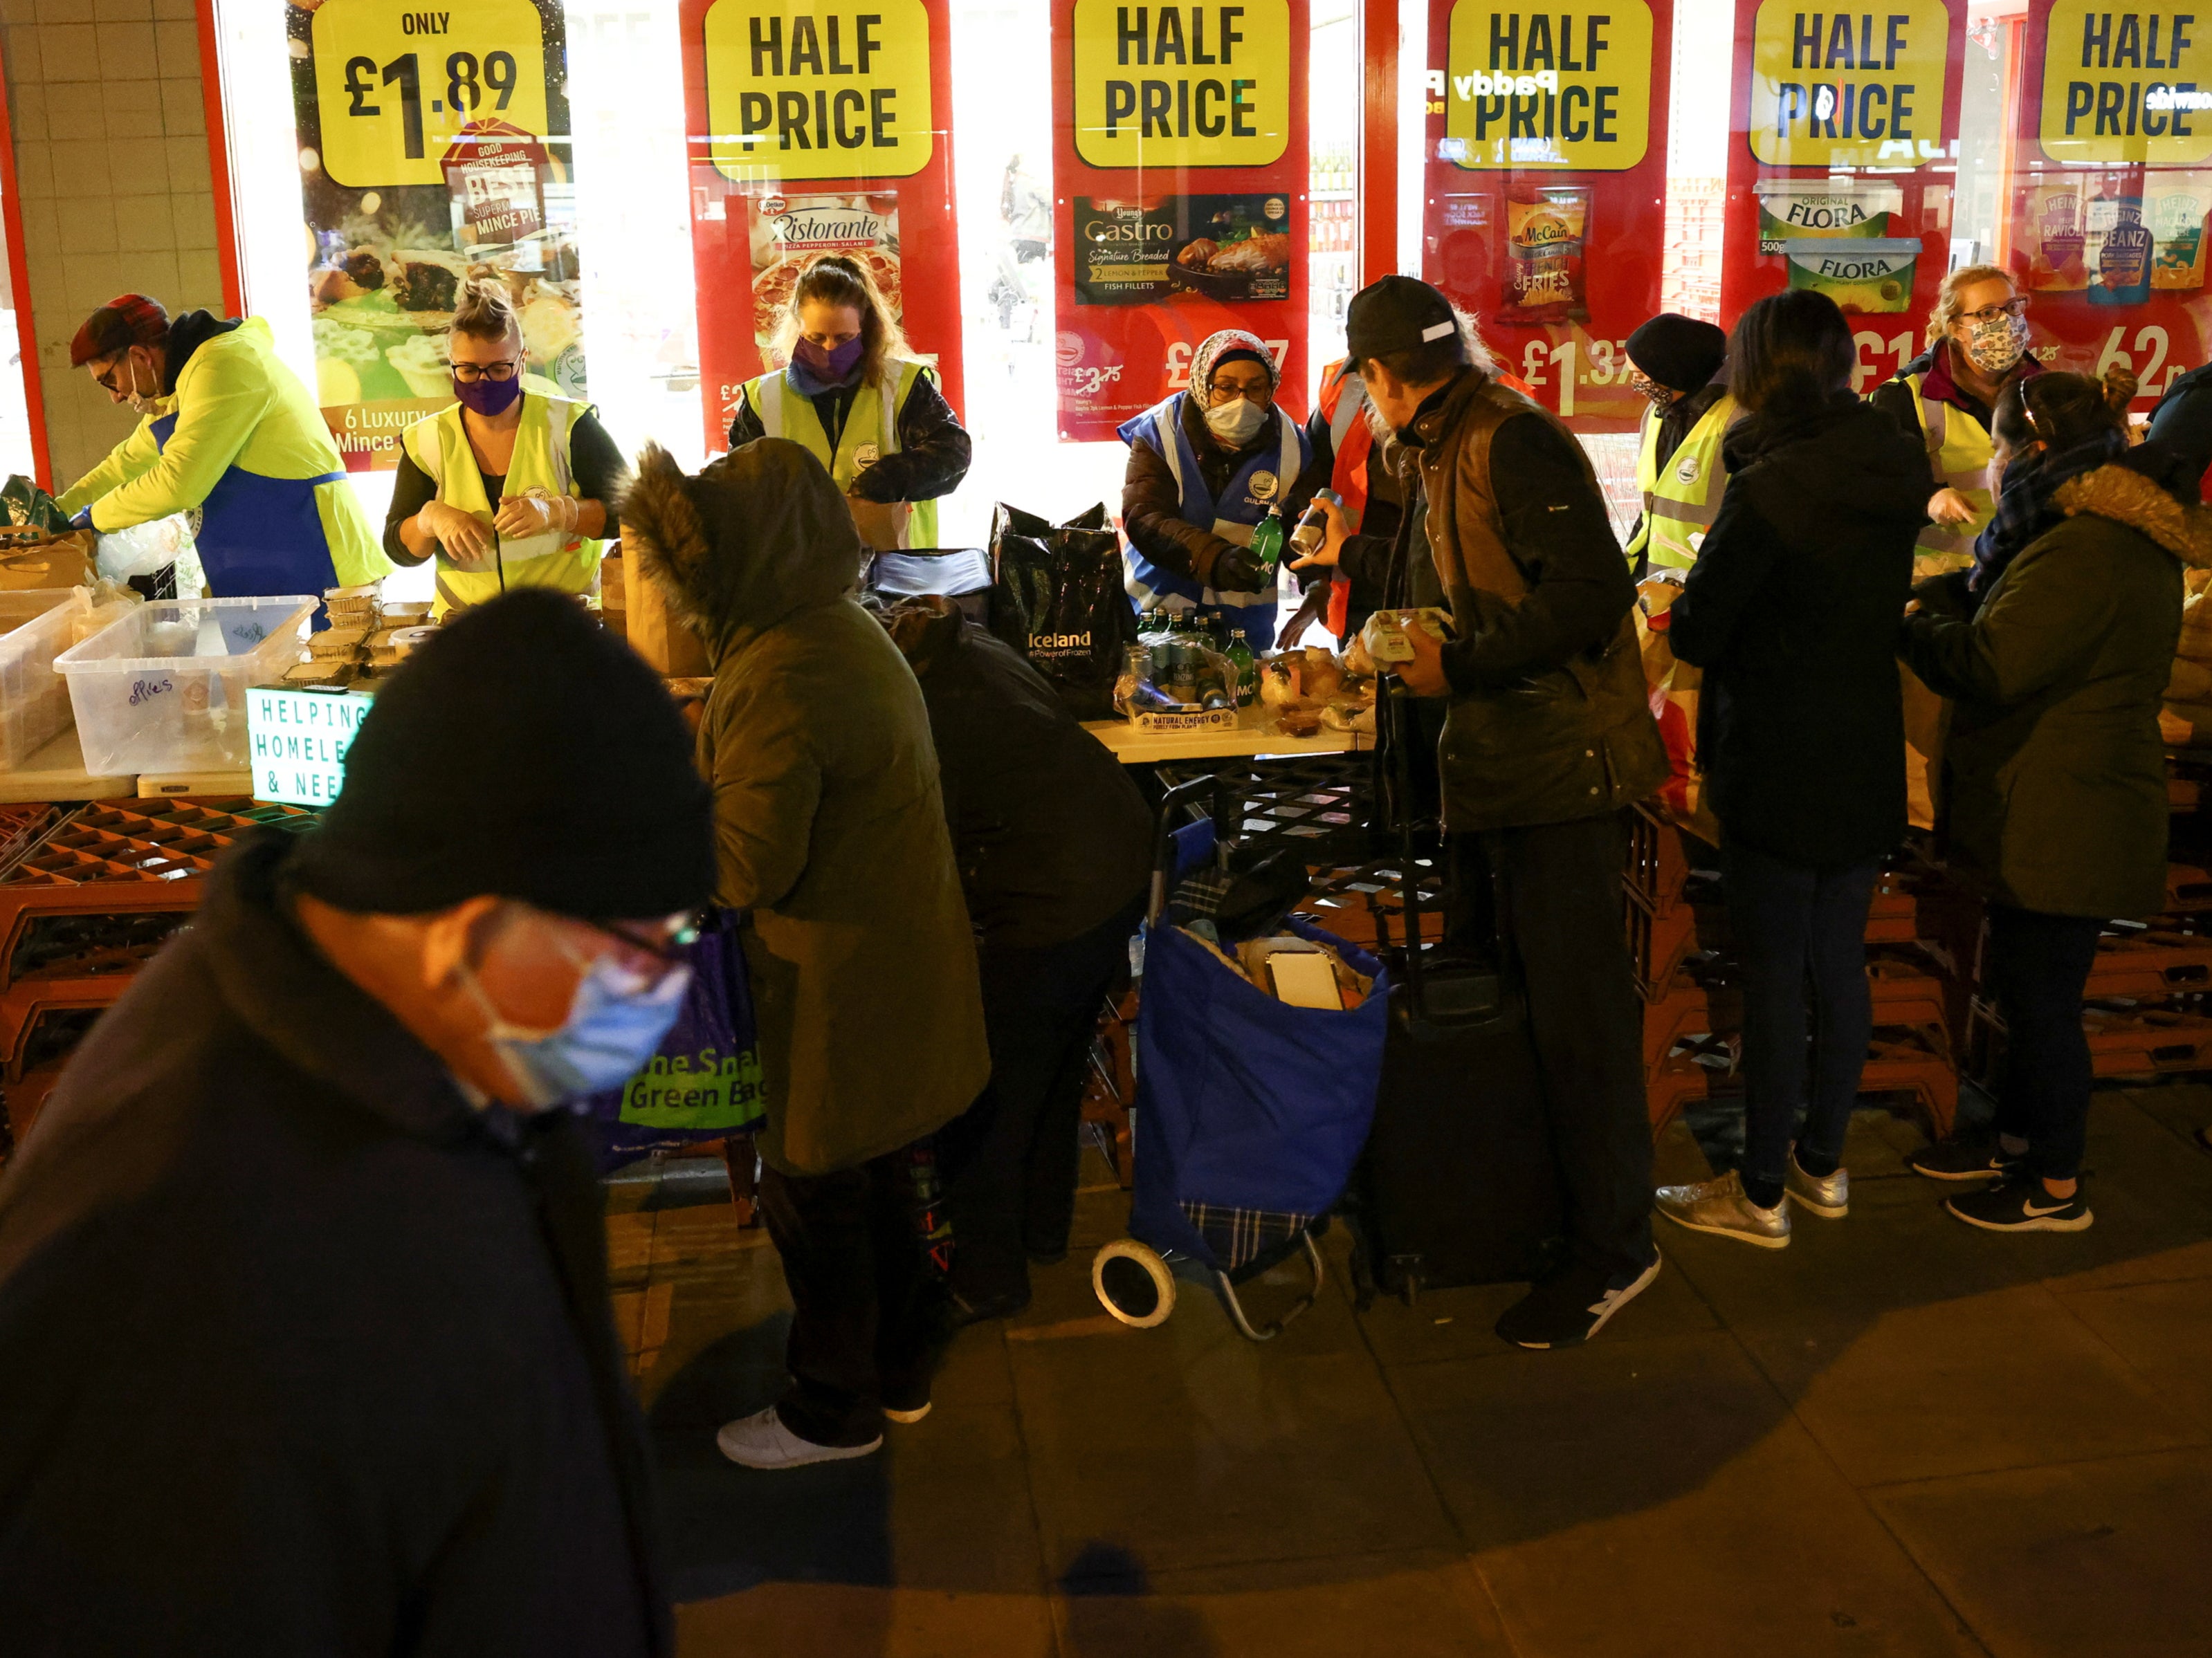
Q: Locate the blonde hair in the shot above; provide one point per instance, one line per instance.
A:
(834, 280)
(1949, 304)
(483, 311)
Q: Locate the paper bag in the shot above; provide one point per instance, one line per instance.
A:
(881, 524)
(655, 633)
(65, 561)
(1675, 687)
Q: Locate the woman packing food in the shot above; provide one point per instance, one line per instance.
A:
(2055, 788)
(863, 406)
(1977, 347)
(1205, 466)
(507, 487)
(226, 429)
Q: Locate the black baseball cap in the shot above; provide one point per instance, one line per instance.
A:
(1398, 313)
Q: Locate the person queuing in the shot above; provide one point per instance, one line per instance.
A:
(1792, 609)
(2056, 791)
(854, 396)
(1054, 845)
(832, 838)
(227, 429)
(508, 487)
(1205, 466)
(1548, 740)
(1943, 399)
(1682, 469)
(303, 1278)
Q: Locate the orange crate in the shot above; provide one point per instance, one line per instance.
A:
(2149, 965)
(1658, 869)
(1902, 1061)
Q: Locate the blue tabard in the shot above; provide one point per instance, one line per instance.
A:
(260, 536)
(1260, 483)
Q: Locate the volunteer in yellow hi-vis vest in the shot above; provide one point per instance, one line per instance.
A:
(866, 408)
(1977, 347)
(506, 487)
(1675, 361)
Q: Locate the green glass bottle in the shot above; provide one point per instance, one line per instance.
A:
(1247, 669)
(1267, 540)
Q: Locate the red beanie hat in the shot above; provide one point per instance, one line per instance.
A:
(126, 320)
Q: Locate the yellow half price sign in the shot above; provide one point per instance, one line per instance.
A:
(1182, 86)
(2127, 85)
(1849, 89)
(396, 84)
(815, 89)
(1548, 88)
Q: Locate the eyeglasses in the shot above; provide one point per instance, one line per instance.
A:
(470, 372)
(669, 948)
(105, 380)
(2013, 309)
(1218, 396)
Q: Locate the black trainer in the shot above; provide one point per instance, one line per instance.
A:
(1572, 1305)
(1973, 1156)
(2020, 1203)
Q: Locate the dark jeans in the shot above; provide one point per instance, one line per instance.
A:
(1797, 927)
(2035, 969)
(864, 1252)
(1557, 903)
(1010, 1161)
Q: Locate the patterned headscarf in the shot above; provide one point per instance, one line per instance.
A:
(1214, 347)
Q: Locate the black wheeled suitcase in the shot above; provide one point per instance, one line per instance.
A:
(1458, 1184)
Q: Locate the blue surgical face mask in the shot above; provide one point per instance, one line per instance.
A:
(614, 1026)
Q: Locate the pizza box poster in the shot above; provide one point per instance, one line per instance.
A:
(787, 233)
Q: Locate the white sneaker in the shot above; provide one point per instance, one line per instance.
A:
(761, 1441)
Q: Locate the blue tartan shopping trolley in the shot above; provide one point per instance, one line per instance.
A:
(1250, 1113)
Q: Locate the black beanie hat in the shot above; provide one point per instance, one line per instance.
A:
(1680, 353)
(524, 752)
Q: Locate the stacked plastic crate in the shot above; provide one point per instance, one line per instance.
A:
(86, 897)
(1692, 1005)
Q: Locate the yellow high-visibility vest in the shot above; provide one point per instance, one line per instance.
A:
(870, 430)
(1960, 450)
(1680, 505)
(439, 444)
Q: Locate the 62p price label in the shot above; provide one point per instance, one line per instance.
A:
(397, 83)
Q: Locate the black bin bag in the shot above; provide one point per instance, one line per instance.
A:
(1057, 598)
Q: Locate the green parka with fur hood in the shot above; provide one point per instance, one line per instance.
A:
(830, 830)
(2055, 785)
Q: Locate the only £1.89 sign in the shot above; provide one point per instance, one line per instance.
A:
(1550, 88)
(818, 88)
(1858, 88)
(2131, 84)
(1182, 86)
(396, 84)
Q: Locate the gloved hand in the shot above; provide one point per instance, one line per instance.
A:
(1237, 572)
(82, 519)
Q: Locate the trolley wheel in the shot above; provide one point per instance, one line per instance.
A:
(1133, 1284)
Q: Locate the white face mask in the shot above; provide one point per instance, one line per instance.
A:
(144, 402)
(1237, 421)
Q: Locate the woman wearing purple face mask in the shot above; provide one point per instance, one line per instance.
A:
(861, 404)
(507, 487)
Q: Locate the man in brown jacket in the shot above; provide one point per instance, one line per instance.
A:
(1547, 741)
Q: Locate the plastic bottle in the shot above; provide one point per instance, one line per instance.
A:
(1247, 669)
(1267, 539)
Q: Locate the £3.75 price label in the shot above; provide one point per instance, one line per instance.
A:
(397, 83)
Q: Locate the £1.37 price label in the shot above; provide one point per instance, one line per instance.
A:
(397, 83)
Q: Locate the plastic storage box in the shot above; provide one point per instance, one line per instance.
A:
(34, 701)
(164, 689)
